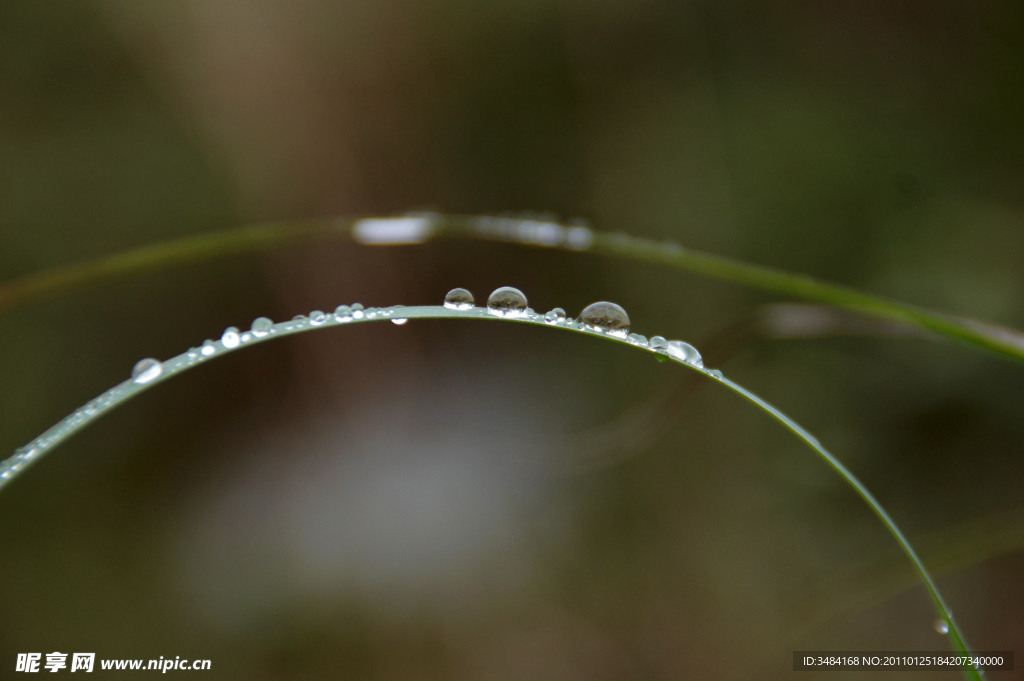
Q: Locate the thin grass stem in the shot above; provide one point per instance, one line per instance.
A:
(156, 373)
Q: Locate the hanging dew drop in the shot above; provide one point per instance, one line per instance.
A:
(147, 370)
(261, 326)
(942, 626)
(507, 302)
(230, 338)
(317, 317)
(343, 313)
(658, 343)
(685, 352)
(607, 318)
(459, 299)
(208, 348)
(399, 321)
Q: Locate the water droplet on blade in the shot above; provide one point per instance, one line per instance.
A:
(317, 317)
(942, 626)
(343, 313)
(357, 310)
(208, 348)
(261, 326)
(685, 352)
(658, 343)
(459, 299)
(637, 339)
(507, 302)
(147, 370)
(230, 338)
(555, 316)
(607, 318)
(717, 374)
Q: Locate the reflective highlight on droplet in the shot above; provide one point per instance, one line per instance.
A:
(357, 310)
(317, 317)
(147, 370)
(343, 313)
(459, 299)
(658, 343)
(607, 318)
(942, 626)
(230, 339)
(208, 348)
(399, 321)
(507, 302)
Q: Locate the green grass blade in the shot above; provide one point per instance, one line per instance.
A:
(31, 453)
(1000, 341)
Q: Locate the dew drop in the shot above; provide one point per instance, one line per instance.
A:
(942, 626)
(317, 317)
(637, 339)
(208, 348)
(399, 321)
(658, 343)
(147, 370)
(193, 353)
(685, 352)
(459, 299)
(717, 374)
(607, 318)
(343, 313)
(507, 302)
(357, 310)
(555, 316)
(261, 326)
(230, 338)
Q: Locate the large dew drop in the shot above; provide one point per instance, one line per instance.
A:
(317, 317)
(261, 326)
(459, 299)
(507, 302)
(685, 352)
(147, 370)
(607, 318)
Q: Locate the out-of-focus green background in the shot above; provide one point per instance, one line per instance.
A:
(393, 503)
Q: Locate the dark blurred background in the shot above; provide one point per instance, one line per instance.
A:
(393, 503)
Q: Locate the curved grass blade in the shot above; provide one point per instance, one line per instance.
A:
(153, 373)
(1000, 341)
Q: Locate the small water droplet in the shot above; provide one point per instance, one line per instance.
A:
(357, 310)
(507, 302)
(459, 299)
(261, 326)
(607, 318)
(208, 348)
(685, 352)
(147, 370)
(399, 321)
(942, 626)
(555, 316)
(193, 353)
(230, 337)
(578, 238)
(317, 317)
(658, 343)
(343, 313)
(717, 374)
(637, 339)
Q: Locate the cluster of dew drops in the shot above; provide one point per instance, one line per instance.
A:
(601, 317)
